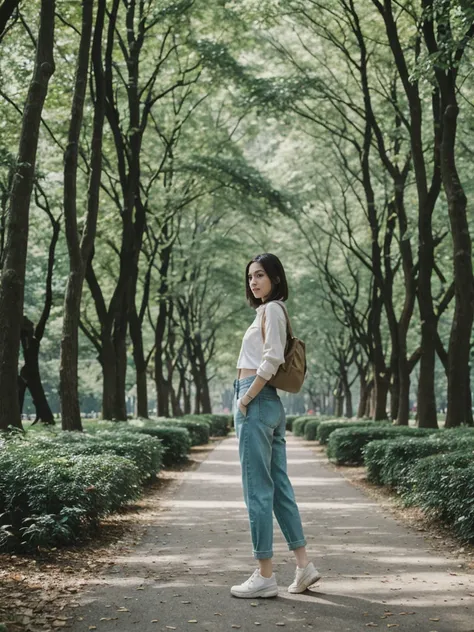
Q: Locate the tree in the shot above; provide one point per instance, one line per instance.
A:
(13, 272)
(80, 251)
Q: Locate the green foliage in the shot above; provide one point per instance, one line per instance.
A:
(175, 441)
(289, 421)
(327, 427)
(142, 450)
(199, 430)
(50, 495)
(443, 485)
(389, 461)
(299, 424)
(219, 424)
(345, 445)
(311, 429)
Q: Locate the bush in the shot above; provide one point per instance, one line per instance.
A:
(389, 461)
(199, 430)
(346, 444)
(327, 427)
(175, 440)
(49, 499)
(299, 425)
(443, 485)
(311, 429)
(219, 424)
(289, 422)
(144, 451)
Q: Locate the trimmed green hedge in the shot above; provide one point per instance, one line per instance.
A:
(48, 498)
(219, 424)
(175, 440)
(389, 461)
(199, 430)
(299, 424)
(311, 429)
(289, 421)
(345, 445)
(443, 485)
(144, 451)
(327, 427)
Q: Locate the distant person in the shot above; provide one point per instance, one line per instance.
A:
(260, 426)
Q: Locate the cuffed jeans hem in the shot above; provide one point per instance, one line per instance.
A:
(262, 555)
(296, 545)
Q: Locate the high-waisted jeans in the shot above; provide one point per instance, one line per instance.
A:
(266, 486)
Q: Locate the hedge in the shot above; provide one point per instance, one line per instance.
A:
(299, 424)
(327, 427)
(48, 499)
(219, 424)
(175, 440)
(443, 485)
(389, 461)
(144, 451)
(345, 445)
(289, 422)
(199, 430)
(311, 429)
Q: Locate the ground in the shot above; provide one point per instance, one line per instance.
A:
(47, 592)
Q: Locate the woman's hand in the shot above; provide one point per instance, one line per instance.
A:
(241, 407)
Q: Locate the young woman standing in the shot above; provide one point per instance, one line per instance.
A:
(260, 426)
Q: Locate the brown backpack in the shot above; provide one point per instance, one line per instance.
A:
(290, 375)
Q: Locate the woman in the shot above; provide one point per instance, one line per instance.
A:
(260, 425)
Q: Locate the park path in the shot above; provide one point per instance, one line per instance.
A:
(376, 572)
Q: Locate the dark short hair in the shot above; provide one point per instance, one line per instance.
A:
(275, 271)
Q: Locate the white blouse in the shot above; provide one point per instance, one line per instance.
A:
(265, 356)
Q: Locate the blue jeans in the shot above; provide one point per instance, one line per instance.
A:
(266, 486)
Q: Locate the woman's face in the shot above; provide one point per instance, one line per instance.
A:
(259, 281)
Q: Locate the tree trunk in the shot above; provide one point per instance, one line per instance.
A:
(347, 394)
(120, 347)
(338, 400)
(369, 411)
(79, 253)
(109, 381)
(162, 391)
(459, 341)
(7, 8)
(12, 282)
(380, 372)
(408, 306)
(404, 387)
(364, 395)
(30, 374)
(142, 394)
(204, 394)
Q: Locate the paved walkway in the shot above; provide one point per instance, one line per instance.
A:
(376, 573)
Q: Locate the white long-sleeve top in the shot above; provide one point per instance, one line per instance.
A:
(265, 356)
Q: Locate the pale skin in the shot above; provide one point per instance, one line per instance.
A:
(261, 287)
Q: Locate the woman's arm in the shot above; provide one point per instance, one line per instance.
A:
(253, 390)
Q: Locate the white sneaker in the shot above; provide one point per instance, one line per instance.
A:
(256, 586)
(304, 578)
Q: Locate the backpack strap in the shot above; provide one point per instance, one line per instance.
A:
(289, 329)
